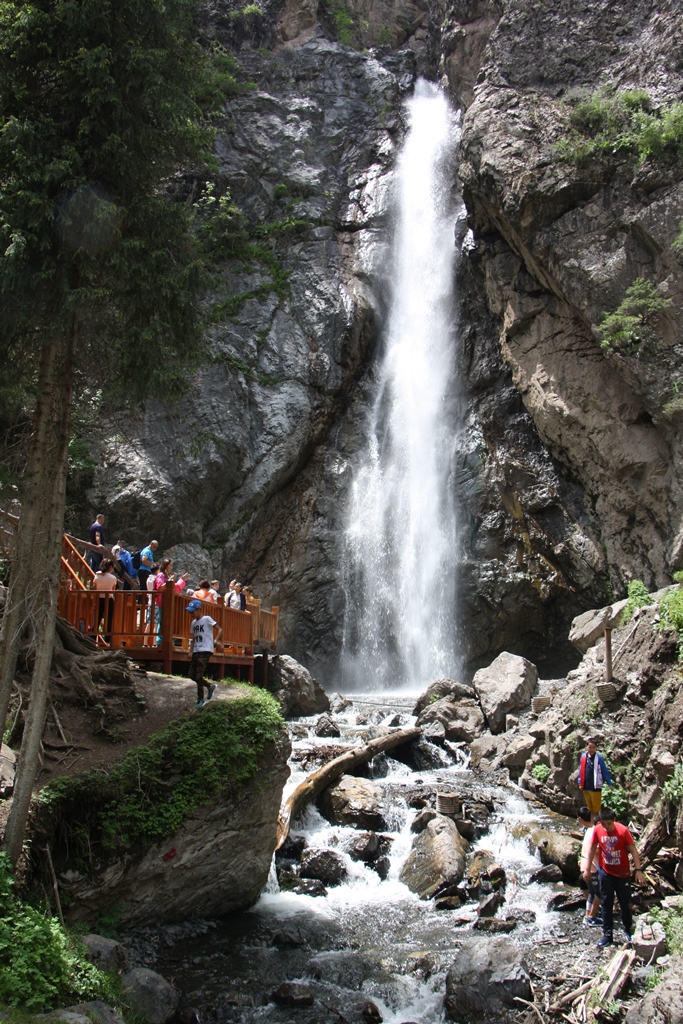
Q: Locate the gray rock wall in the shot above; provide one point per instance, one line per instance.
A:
(568, 464)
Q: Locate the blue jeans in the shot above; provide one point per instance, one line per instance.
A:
(611, 886)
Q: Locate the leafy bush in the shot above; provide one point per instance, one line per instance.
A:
(632, 327)
(624, 126)
(638, 597)
(41, 965)
(541, 772)
(671, 614)
(149, 793)
(672, 790)
(677, 244)
(618, 801)
(343, 24)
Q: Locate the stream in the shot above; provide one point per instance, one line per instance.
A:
(369, 938)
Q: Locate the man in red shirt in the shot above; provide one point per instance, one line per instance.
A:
(613, 842)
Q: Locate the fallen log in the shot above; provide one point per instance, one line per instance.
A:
(317, 781)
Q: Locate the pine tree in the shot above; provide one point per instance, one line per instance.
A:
(101, 101)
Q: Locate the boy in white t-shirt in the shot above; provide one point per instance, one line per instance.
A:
(204, 634)
(593, 915)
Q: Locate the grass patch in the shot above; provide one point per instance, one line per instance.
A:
(615, 126)
(672, 921)
(41, 964)
(146, 796)
(632, 327)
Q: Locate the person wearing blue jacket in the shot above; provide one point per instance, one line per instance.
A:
(593, 774)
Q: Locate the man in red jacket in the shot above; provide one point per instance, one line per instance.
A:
(613, 842)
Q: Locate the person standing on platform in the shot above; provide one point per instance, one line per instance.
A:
(613, 843)
(205, 633)
(96, 537)
(593, 773)
(146, 562)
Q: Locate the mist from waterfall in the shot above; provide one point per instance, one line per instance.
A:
(400, 540)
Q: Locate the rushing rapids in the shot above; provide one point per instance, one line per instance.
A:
(369, 937)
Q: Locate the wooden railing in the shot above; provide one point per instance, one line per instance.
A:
(125, 618)
(76, 573)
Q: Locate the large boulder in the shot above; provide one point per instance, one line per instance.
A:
(441, 688)
(461, 720)
(484, 980)
(665, 1003)
(589, 627)
(518, 752)
(356, 802)
(506, 685)
(150, 995)
(486, 749)
(560, 849)
(107, 954)
(298, 692)
(437, 858)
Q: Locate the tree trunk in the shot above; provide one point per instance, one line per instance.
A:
(34, 586)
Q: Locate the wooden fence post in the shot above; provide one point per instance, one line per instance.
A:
(167, 597)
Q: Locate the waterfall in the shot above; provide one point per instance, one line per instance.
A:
(400, 540)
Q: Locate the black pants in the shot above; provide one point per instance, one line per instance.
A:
(611, 886)
(198, 666)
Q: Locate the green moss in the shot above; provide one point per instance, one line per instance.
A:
(632, 327)
(146, 796)
(671, 613)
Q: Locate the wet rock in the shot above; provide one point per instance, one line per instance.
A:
(560, 849)
(289, 881)
(495, 925)
(442, 688)
(548, 873)
(466, 828)
(288, 937)
(447, 903)
(356, 802)
(422, 819)
(368, 846)
(292, 848)
(327, 866)
(338, 703)
(326, 727)
(484, 979)
(489, 905)
(425, 755)
(150, 995)
(506, 685)
(292, 993)
(297, 691)
(370, 1013)
(461, 720)
(437, 858)
(382, 866)
(665, 1002)
(107, 954)
(523, 915)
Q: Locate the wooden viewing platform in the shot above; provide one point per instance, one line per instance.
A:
(120, 620)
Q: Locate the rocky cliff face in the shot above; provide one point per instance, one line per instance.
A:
(568, 463)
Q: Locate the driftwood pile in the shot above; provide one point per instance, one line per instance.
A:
(590, 1001)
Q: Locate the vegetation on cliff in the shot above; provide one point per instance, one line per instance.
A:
(633, 326)
(146, 796)
(611, 126)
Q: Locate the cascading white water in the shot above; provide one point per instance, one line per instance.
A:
(399, 567)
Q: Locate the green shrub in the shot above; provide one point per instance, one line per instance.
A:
(343, 24)
(677, 244)
(618, 801)
(146, 796)
(623, 126)
(671, 614)
(632, 327)
(638, 597)
(672, 790)
(41, 965)
(541, 773)
(672, 921)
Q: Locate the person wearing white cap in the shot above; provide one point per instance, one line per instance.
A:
(205, 633)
